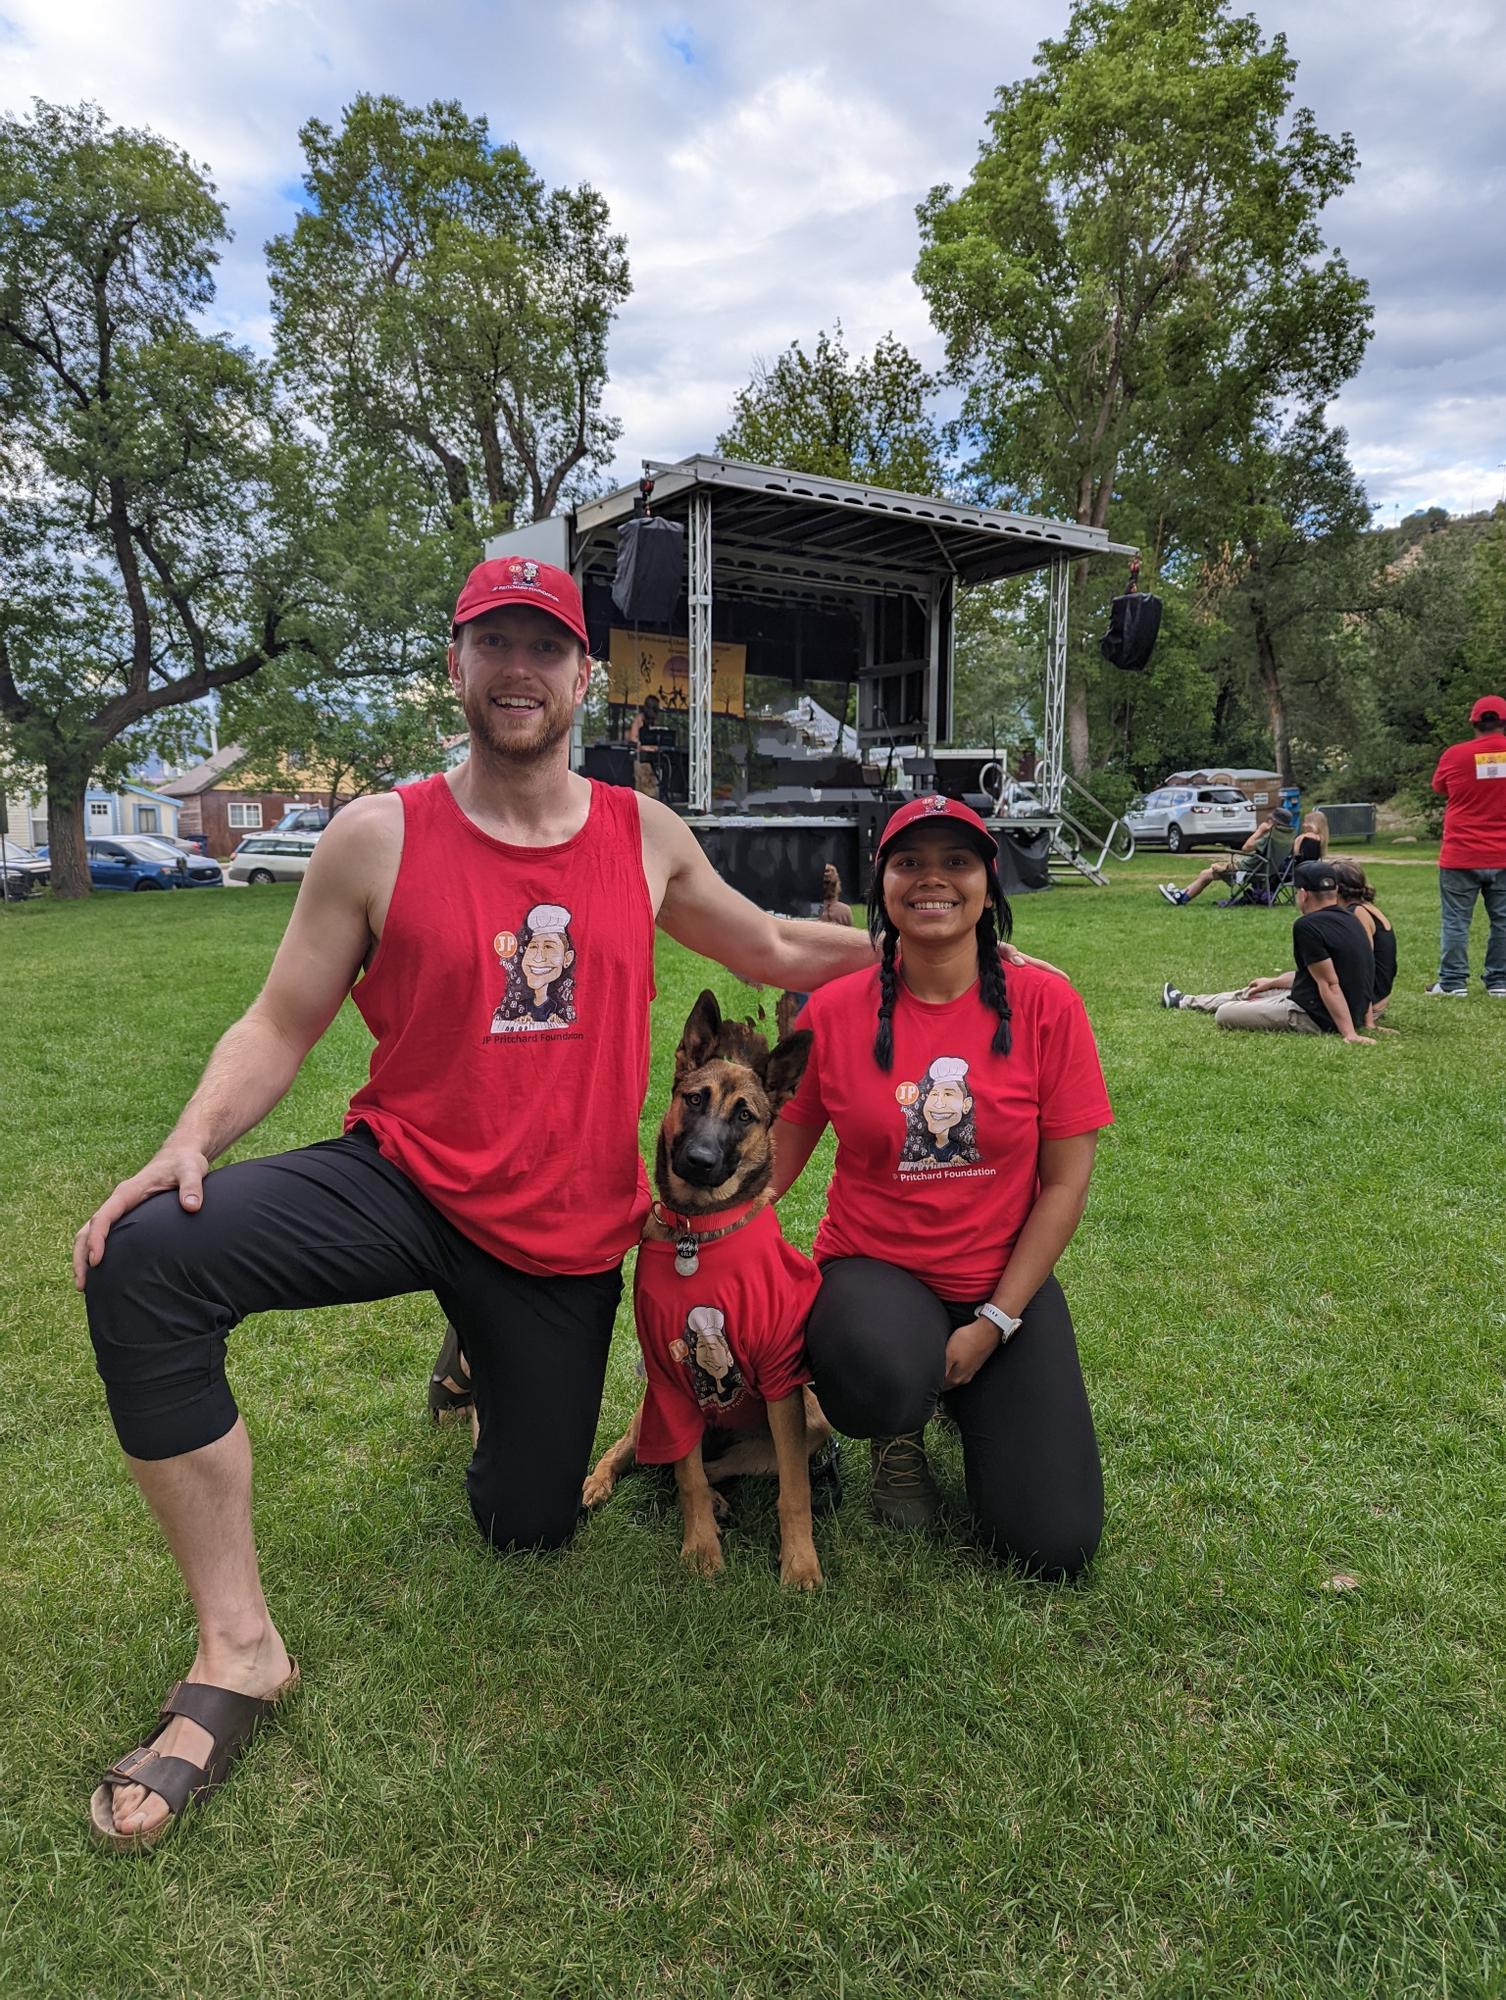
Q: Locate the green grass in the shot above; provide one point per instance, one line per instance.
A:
(1200, 1773)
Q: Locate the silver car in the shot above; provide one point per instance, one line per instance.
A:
(1188, 816)
(272, 857)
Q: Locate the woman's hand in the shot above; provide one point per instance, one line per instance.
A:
(1011, 955)
(967, 1350)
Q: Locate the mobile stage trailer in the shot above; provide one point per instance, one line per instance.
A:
(827, 581)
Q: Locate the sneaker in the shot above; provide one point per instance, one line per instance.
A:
(904, 1493)
(1437, 992)
(1170, 997)
(1170, 892)
(1495, 992)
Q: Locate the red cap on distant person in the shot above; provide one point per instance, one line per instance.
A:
(1488, 704)
(521, 580)
(934, 807)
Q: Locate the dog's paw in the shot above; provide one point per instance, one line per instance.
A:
(703, 1555)
(598, 1487)
(799, 1569)
(721, 1506)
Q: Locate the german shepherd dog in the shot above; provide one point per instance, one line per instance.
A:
(715, 1154)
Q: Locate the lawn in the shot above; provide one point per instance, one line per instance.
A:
(1209, 1770)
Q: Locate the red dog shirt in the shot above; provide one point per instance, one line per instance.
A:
(719, 1345)
(936, 1156)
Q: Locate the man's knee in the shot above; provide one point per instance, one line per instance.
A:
(517, 1519)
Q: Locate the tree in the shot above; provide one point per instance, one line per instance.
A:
(436, 301)
(151, 489)
(1135, 265)
(866, 419)
(345, 738)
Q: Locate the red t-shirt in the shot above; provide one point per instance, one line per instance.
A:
(509, 998)
(936, 1157)
(720, 1345)
(1472, 779)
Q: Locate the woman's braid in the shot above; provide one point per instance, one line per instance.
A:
(991, 985)
(883, 1041)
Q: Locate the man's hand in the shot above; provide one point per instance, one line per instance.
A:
(1365, 1041)
(175, 1166)
(1258, 986)
(1012, 956)
(967, 1350)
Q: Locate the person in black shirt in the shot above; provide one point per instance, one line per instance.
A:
(1331, 988)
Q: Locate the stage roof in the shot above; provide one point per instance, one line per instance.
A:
(831, 537)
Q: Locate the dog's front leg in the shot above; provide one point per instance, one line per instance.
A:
(614, 1461)
(702, 1546)
(799, 1568)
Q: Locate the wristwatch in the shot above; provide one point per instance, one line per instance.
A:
(1008, 1327)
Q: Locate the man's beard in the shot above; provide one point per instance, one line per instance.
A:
(552, 725)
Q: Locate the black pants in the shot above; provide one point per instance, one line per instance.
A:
(876, 1340)
(336, 1224)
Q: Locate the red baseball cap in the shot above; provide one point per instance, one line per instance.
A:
(521, 580)
(1488, 704)
(934, 807)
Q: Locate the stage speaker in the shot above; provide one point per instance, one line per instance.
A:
(650, 570)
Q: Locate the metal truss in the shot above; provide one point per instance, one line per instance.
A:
(698, 590)
(1054, 720)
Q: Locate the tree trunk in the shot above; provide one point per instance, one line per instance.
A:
(1269, 669)
(66, 784)
(1079, 750)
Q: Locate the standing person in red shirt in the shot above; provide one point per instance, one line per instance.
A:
(967, 1102)
(1472, 861)
(494, 925)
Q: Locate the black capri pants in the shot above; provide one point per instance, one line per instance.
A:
(336, 1224)
(876, 1340)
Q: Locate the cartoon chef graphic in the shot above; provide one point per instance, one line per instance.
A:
(939, 1128)
(538, 963)
(714, 1374)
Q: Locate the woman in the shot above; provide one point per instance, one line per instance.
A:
(955, 1192)
(1312, 839)
(1357, 896)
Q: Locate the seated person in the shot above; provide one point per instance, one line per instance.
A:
(1312, 838)
(1228, 871)
(1329, 992)
(1356, 894)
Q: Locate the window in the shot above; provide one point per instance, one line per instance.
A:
(244, 815)
(146, 819)
(258, 847)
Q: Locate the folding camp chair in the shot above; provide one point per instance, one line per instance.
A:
(1263, 877)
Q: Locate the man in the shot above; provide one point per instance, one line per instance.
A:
(1472, 861)
(1329, 991)
(497, 1169)
(646, 755)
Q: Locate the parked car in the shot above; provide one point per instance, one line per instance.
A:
(1188, 816)
(131, 862)
(186, 843)
(196, 872)
(26, 871)
(303, 819)
(272, 857)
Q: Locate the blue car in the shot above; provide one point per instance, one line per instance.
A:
(131, 863)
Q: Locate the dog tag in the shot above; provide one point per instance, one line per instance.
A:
(687, 1258)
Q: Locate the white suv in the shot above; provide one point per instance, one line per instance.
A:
(272, 857)
(1188, 816)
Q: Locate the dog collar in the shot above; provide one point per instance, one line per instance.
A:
(691, 1231)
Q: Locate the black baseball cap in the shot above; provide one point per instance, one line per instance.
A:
(1317, 877)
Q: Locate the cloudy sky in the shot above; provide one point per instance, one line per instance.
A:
(765, 160)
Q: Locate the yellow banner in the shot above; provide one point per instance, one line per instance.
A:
(645, 663)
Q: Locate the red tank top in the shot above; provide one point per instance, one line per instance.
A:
(509, 998)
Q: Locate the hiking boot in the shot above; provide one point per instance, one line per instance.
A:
(904, 1493)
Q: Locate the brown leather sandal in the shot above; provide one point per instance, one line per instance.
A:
(231, 1719)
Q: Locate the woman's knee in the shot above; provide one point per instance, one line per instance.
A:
(517, 1519)
(1048, 1551)
(876, 1342)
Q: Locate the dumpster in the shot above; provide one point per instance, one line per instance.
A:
(1349, 822)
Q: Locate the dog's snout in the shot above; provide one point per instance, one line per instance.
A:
(701, 1153)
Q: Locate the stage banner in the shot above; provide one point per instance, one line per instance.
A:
(644, 663)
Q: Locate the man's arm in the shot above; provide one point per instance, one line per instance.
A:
(1332, 996)
(1440, 774)
(701, 911)
(255, 1060)
(1279, 982)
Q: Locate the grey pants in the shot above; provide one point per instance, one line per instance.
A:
(1266, 1010)
(1458, 889)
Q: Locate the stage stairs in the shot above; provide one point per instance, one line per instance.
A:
(1088, 835)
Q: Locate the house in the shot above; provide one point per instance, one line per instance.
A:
(128, 808)
(224, 812)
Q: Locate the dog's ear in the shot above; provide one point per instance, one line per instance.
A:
(781, 1070)
(698, 1042)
